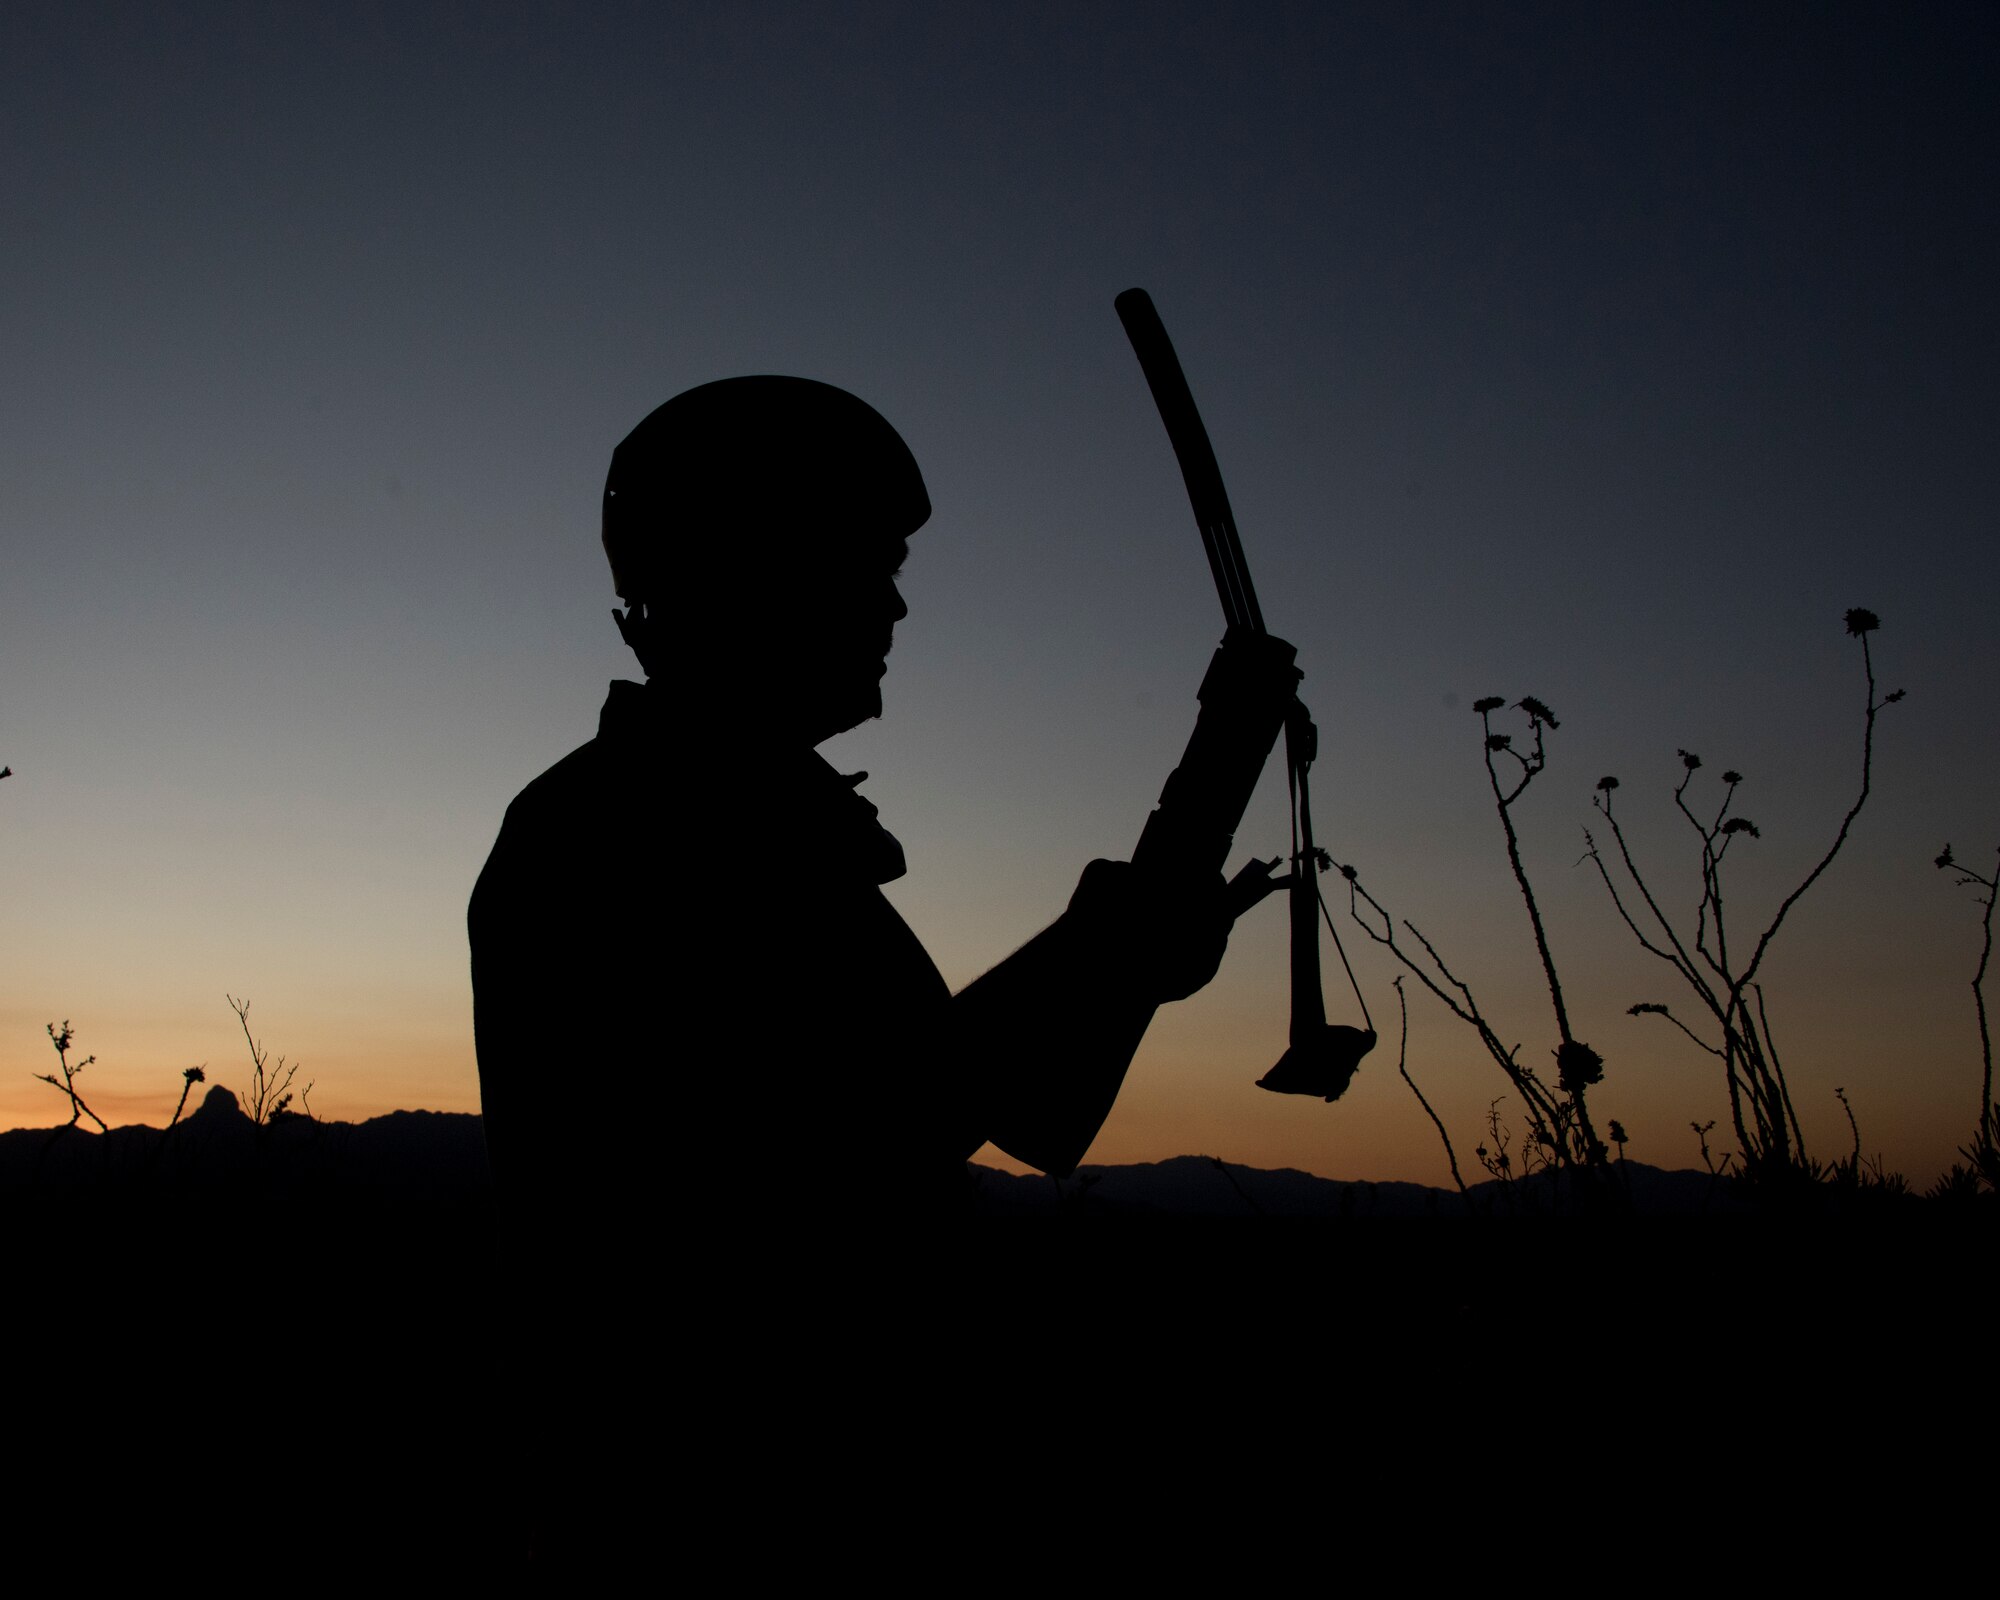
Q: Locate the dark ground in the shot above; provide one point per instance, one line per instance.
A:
(312, 1337)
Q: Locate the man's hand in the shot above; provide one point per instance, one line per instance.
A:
(1162, 934)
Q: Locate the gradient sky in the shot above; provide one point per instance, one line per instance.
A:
(1603, 353)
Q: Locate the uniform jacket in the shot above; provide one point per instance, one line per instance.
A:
(691, 996)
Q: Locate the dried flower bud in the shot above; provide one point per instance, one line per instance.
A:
(1499, 741)
(1888, 700)
(1617, 1131)
(1690, 760)
(1578, 1066)
(1861, 620)
(1644, 1007)
(1492, 702)
(1607, 784)
(1732, 777)
(1741, 825)
(1945, 860)
(1537, 710)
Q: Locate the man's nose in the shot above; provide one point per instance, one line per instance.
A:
(897, 608)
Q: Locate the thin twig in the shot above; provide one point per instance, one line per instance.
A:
(1846, 822)
(1991, 885)
(1403, 1066)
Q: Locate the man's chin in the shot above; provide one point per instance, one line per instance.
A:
(850, 712)
(866, 707)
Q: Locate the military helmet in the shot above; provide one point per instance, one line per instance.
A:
(772, 457)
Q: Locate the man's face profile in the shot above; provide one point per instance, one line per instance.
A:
(832, 643)
(793, 499)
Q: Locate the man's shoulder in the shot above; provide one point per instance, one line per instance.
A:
(591, 809)
(544, 826)
(569, 787)
(598, 773)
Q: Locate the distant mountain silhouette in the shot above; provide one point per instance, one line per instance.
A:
(440, 1157)
(442, 1153)
(1202, 1186)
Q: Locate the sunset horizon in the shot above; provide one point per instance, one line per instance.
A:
(1606, 359)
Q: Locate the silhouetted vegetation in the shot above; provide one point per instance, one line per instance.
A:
(1561, 1135)
(1562, 1142)
(1771, 1145)
(1403, 1067)
(1981, 1166)
(189, 1078)
(270, 1092)
(62, 1038)
(269, 1096)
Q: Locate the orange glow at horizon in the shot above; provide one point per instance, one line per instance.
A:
(1190, 1092)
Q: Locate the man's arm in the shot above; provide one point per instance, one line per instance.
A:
(1047, 1035)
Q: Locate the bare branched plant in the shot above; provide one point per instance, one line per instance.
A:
(1494, 1155)
(1559, 1125)
(1723, 982)
(1983, 1153)
(1403, 1066)
(62, 1038)
(270, 1093)
(1716, 1169)
(1854, 1170)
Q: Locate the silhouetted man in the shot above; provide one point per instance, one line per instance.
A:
(692, 999)
(728, 1097)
